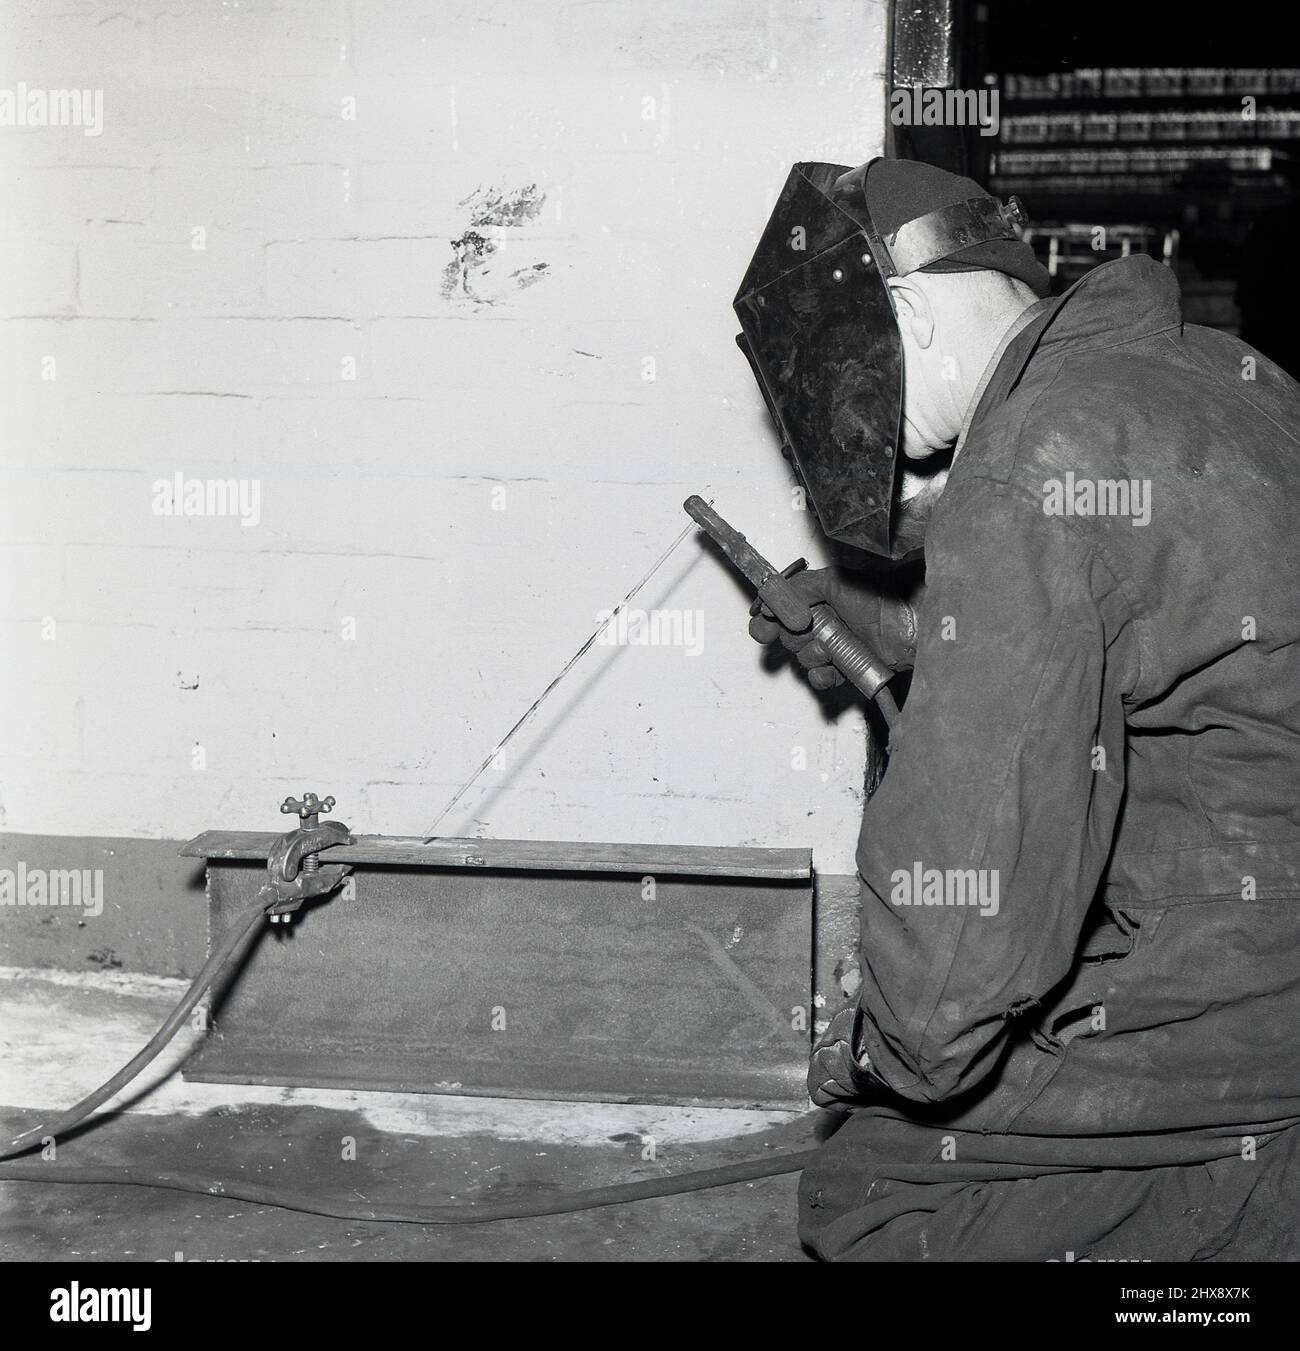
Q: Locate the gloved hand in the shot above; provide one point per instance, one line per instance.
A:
(886, 623)
(838, 1074)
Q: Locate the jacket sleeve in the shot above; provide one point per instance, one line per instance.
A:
(982, 850)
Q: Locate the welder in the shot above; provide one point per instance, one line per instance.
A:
(1102, 734)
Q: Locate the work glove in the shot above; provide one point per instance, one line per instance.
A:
(886, 623)
(839, 1073)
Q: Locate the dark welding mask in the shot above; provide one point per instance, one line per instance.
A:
(819, 329)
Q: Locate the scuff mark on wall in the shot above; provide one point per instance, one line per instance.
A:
(526, 276)
(492, 207)
(493, 212)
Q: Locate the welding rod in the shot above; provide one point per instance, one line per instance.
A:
(563, 671)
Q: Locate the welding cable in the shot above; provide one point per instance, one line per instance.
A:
(466, 1212)
(224, 959)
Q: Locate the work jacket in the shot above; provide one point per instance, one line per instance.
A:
(1081, 874)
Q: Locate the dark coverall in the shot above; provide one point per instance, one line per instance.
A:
(1108, 715)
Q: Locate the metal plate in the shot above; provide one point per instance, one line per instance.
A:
(695, 860)
(625, 986)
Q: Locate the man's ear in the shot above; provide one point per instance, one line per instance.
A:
(912, 305)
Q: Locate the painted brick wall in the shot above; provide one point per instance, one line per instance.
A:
(449, 285)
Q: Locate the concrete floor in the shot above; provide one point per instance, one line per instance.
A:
(61, 1033)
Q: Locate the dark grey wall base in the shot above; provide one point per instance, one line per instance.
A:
(837, 910)
(153, 918)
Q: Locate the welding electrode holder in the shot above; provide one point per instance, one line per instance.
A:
(852, 657)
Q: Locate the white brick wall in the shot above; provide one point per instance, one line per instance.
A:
(657, 133)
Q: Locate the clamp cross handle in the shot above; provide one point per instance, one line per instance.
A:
(309, 808)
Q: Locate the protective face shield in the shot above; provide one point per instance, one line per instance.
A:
(819, 329)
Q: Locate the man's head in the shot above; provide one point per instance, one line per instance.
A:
(951, 324)
(952, 311)
(873, 292)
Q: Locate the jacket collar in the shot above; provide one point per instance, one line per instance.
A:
(1115, 303)
(1021, 322)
